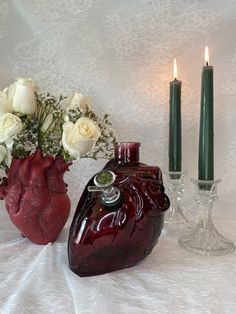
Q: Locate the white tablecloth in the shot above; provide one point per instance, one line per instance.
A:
(36, 279)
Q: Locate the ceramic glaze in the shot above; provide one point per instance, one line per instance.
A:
(36, 196)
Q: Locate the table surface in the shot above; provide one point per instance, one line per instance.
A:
(36, 279)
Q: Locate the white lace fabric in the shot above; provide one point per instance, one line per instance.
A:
(121, 54)
(36, 279)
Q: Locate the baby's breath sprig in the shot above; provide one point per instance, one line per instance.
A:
(105, 145)
(26, 142)
(44, 129)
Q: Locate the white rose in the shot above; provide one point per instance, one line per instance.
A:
(5, 105)
(78, 100)
(80, 138)
(22, 96)
(3, 152)
(9, 143)
(9, 125)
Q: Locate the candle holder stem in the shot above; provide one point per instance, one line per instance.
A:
(205, 239)
(175, 217)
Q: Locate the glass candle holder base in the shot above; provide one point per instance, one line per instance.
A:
(174, 217)
(205, 239)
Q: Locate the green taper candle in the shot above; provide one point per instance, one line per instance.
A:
(206, 134)
(175, 140)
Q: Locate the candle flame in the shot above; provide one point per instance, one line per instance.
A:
(175, 69)
(206, 55)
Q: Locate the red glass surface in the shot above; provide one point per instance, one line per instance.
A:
(105, 239)
(36, 196)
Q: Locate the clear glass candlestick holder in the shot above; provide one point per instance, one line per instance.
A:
(204, 239)
(175, 217)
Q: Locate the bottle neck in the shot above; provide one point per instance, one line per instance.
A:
(127, 153)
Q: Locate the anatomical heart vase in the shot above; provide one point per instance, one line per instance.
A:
(41, 134)
(36, 196)
(120, 215)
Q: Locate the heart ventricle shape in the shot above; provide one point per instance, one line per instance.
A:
(36, 196)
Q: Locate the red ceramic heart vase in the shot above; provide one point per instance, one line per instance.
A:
(36, 196)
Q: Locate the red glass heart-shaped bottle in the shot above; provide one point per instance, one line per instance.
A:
(116, 226)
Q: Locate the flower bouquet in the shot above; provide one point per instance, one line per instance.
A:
(40, 136)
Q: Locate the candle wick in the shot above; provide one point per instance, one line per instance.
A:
(207, 63)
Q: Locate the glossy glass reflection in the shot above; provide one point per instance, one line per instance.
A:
(103, 239)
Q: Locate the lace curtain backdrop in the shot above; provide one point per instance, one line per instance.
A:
(121, 54)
